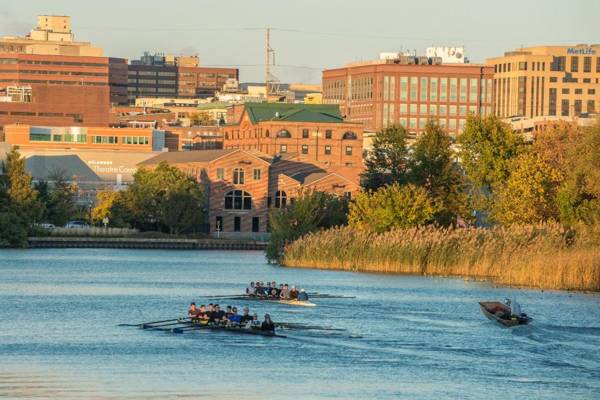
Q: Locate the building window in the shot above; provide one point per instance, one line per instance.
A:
(304, 133)
(327, 150)
(280, 199)
(284, 133)
(349, 136)
(348, 150)
(578, 91)
(443, 89)
(255, 224)
(522, 65)
(558, 64)
(238, 200)
(267, 133)
(328, 134)
(283, 148)
(591, 106)
(587, 64)
(577, 107)
(220, 173)
(414, 81)
(424, 88)
(403, 88)
(453, 89)
(237, 224)
(564, 108)
(256, 173)
(463, 90)
(304, 149)
(238, 176)
(574, 64)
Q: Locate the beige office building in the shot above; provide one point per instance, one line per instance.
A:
(51, 36)
(547, 81)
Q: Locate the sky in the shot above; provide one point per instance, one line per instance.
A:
(310, 35)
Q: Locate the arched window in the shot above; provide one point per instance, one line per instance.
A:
(267, 133)
(284, 133)
(238, 200)
(349, 136)
(238, 176)
(280, 199)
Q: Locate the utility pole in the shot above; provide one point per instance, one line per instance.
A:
(268, 63)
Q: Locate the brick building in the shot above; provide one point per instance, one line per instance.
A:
(409, 91)
(59, 90)
(242, 185)
(168, 76)
(317, 132)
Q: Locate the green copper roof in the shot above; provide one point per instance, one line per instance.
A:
(293, 112)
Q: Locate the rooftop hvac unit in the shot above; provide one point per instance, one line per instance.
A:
(423, 60)
(436, 60)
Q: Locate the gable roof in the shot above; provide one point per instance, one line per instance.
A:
(258, 112)
(187, 156)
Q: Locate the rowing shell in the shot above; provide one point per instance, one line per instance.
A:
(291, 302)
(195, 327)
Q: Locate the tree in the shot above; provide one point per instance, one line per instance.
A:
(60, 205)
(310, 212)
(432, 167)
(487, 148)
(110, 204)
(394, 206)
(22, 197)
(156, 197)
(201, 118)
(529, 194)
(387, 163)
(579, 197)
(13, 230)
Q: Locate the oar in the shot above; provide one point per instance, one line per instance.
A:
(307, 327)
(151, 323)
(154, 326)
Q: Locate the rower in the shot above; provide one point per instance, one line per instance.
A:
(235, 318)
(267, 325)
(251, 290)
(193, 311)
(267, 289)
(274, 291)
(293, 293)
(246, 317)
(218, 314)
(302, 296)
(202, 313)
(285, 292)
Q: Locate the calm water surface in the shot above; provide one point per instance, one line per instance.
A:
(406, 337)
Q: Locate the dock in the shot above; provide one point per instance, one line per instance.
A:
(143, 243)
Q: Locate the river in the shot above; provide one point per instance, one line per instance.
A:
(406, 337)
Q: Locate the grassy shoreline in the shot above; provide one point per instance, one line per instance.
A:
(544, 256)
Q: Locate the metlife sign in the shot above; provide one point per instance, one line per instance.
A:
(581, 51)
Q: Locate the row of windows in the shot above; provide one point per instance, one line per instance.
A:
(558, 64)
(242, 200)
(49, 72)
(237, 224)
(136, 140)
(285, 134)
(53, 137)
(283, 148)
(239, 175)
(56, 82)
(104, 139)
(420, 123)
(438, 89)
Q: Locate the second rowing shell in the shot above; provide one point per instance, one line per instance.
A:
(286, 302)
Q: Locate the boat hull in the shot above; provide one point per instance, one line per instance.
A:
(497, 312)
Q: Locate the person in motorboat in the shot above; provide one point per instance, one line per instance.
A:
(267, 325)
(515, 308)
(302, 296)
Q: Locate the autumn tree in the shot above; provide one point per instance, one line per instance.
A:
(529, 193)
(393, 206)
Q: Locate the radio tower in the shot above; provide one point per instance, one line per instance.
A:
(271, 81)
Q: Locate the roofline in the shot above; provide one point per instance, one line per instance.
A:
(328, 174)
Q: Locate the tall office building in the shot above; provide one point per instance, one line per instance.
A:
(158, 75)
(547, 81)
(409, 91)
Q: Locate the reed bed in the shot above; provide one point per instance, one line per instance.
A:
(544, 256)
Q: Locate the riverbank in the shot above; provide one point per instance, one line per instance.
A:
(144, 243)
(542, 256)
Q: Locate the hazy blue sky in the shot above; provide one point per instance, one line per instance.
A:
(321, 33)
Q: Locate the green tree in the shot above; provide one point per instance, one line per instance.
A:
(394, 206)
(13, 230)
(529, 193)
(487, 148)
(310, 212)
(433, 167)
(60, 204)
(387, 163)
(201, 118)
(156, 197)
(22, 197)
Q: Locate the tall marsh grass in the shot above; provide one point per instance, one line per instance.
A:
(544, 256)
